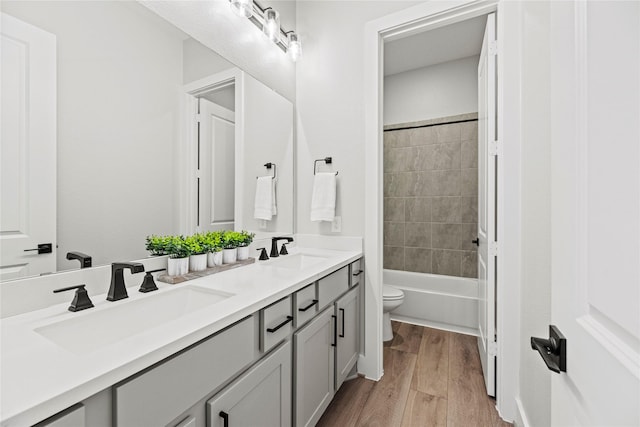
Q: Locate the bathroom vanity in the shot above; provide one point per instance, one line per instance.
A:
(267, 344)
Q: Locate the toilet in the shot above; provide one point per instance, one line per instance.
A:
(392, 298)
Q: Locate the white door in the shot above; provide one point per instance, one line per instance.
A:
(486, 206)
(27, 150)
(216, 167)
(595, 210)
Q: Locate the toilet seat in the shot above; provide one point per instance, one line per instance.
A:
(389, 293)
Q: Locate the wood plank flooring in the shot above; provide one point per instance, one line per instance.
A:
(431, 378)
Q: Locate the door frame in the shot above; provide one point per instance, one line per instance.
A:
(428, 16)
(187, 149)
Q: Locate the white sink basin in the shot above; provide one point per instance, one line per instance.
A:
(297, 261)
(91, 331)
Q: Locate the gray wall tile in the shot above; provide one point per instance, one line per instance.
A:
(446, 236)
(418, 259)
(446, 262)
(469, 186)
(394, 233)
(469, 155)
(418, 209)
(431, 203)
(393, 257)
(469, 264)
(417, 234)
(394, 209)
(446, 209)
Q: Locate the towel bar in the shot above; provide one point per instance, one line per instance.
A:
(326, 160)
(268, 166)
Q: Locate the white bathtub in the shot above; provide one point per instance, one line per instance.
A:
(442, 302)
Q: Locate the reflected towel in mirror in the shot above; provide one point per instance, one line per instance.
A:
(265, 201)
(323, 199)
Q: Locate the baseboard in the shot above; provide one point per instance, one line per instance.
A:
(521, 416)
(435, 325)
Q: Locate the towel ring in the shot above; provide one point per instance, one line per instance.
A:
(326, 160)
(268, 166)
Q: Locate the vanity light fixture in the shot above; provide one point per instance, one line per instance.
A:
(271, 26)
(295, 48)
(268, 20)
(242, 7)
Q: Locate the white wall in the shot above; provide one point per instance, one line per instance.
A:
(199, 61)
(441, 90)
(329, 104)
(119, 71)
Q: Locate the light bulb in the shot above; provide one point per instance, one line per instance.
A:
(242, 7)
(294, 48)
(271, 25)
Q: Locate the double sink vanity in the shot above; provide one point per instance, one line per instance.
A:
(267, 344)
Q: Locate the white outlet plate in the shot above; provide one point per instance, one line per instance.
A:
(336, 224)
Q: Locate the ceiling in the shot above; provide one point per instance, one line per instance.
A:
(443, 44)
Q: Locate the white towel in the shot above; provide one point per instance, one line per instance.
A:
(323, 199)
(265, 201)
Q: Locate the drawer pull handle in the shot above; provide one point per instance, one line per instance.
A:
(314, 302)
(289, 319)
(359, 272)
(342, 334)
(225, 418)
(335, 331)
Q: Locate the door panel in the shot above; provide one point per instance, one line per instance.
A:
(27, 149)
(486, 205)
(216, 196)
(595, 105)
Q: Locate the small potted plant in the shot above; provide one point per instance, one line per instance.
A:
(178, 262)
(230, 240)
(212, 244)
(156, 245)
(245, 240)
(198, 255)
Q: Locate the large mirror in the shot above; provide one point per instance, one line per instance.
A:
(119, 113)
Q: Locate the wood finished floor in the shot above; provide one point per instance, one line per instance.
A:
(431, 378)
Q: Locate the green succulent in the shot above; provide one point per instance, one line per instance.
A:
(177, 247)
(231, 239)
(246, 238)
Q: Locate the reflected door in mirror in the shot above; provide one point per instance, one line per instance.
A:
(27, 150)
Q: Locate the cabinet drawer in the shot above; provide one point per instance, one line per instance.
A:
(276, 323)
(332, 286)
(159, 395)
(72, 417)
(305, 305)
(357, 271)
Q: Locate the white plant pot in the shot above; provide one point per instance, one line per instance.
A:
(214, 258)
(243, 253)
(229, 256)
(198, 262)
(177, 266)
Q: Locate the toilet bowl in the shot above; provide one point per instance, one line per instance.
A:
(392, 298)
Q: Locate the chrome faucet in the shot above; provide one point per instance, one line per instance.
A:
(274, 245)
(118, 290)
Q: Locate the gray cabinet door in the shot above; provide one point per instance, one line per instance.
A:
(348, 317)
(314, 357)
(259, 398)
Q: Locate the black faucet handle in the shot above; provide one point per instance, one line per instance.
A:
(263, 254)
(81, 299)
(148, 284)
(283, 249)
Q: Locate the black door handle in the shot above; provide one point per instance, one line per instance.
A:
(287, 320)
(43, 248)
(225, 418)
(342, 334)
(552, 350)
(476, 241)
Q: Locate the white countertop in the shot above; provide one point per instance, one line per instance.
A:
(40, 378)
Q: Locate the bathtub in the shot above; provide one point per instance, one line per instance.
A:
(443, 302)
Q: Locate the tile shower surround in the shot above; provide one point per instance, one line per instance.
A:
(431, 196)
